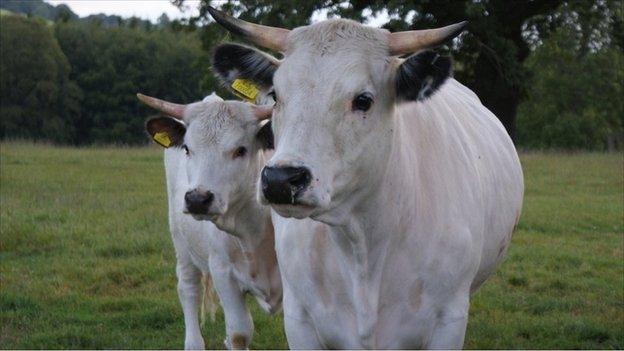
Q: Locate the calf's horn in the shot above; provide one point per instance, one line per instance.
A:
(273, 38)
(169, 108)
(406, 42)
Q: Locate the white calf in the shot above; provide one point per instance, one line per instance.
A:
(213, 157)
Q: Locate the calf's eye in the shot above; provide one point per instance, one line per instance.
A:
(362, 102)
(186, 150)
(240, 152)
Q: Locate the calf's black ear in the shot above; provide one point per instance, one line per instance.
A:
(420, 75)
(166, 131)
(265, 136)
(244, 70)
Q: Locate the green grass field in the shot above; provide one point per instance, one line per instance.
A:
(86, 260)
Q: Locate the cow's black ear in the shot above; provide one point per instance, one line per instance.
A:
(166, 131)
(233, 61)
(265, 136)
(420, 75)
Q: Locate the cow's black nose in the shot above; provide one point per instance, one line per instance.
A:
(198, 202)
(282, 185)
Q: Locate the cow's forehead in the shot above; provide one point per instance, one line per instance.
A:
(337, 36)
(334, 53)
(210, 122)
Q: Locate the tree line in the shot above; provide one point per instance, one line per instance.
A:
(551, 70)
(75, 83)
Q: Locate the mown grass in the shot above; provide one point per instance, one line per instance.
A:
(86, 260)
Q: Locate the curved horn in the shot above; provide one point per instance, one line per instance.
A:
(411, 41)
(262, 112)
(169, 108)
(272, 38)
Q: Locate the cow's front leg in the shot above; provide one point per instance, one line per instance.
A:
(450, 327)
(238, 323)
(190, 295)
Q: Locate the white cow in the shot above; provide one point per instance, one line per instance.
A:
(419, 184)
(213, 157)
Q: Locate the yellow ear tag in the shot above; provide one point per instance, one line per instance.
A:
(162, 138)
(245, 89)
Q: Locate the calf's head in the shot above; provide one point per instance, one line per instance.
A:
(222, 142)
(335, 94)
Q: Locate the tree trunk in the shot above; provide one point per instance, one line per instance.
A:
(496, 92)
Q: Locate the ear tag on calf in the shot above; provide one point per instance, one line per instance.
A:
(162, 138)
(245, 89)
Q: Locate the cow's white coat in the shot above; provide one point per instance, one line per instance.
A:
(238, 253)
(419, 198)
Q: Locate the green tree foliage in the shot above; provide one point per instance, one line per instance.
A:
(575, 97)
(75, 82)
(112, 64)
(37, 8)
(37, 98)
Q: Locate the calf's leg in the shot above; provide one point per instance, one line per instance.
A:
(190, 294)
(238, 323)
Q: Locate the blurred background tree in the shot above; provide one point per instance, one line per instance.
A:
(37, 100)
(112, 64)
(551, 70)
(576, 71)
(74, 81)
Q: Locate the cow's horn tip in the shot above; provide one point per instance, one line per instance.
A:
(213, 11)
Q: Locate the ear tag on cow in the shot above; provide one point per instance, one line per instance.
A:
(245, 89)
(162, 138)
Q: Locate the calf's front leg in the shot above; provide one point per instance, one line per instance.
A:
(190, 292)
(238, 323)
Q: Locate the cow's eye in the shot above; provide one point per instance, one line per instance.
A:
(185, 148)
(272, 95)
(362, 102)
(240, 152)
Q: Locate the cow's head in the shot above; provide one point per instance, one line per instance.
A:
(335, 93)
(222, 141)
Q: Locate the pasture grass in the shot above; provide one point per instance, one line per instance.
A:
(86, 260)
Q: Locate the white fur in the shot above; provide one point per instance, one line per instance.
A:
(238, 252)
(419, 200)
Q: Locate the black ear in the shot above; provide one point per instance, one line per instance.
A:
(166, 131)
(265, 136)
(420, 75)
(232, 61)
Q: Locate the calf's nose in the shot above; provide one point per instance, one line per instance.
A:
(282, 185)
(197, 201)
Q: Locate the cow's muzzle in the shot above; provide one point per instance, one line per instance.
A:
(283, 185)
(198, 202)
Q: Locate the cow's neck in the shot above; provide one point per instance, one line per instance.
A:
(363, 255)
(249, 222)
(374, 221)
